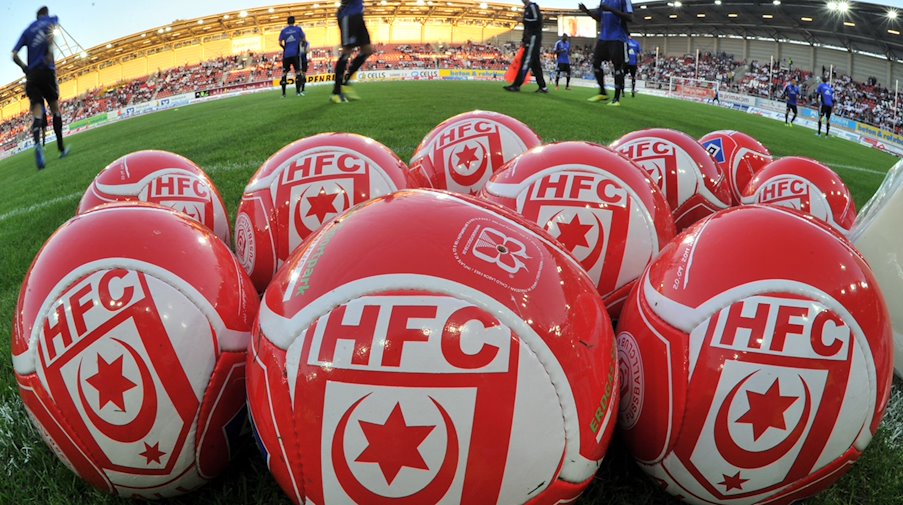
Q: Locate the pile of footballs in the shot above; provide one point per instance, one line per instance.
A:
(470, 327)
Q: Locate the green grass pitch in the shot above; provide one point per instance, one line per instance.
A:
(230, 139)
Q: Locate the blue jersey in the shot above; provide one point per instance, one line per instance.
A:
(826, 92)
(563, 51)
(611, 26)
(792, 92)
(292, 36)
(633, 52)
(39, 38)
(351, 7)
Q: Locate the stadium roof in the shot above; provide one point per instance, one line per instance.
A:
(860, 27)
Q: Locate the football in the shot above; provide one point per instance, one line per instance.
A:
(129, 349)
(435, 347)
(756, 359)
(739, 155)
(599, 206)
(462, 153)
(876, 235)
(163, 178)
(693, 184)
(805, 185)
(303, 186)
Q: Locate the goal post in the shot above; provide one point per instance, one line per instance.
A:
(699, 90)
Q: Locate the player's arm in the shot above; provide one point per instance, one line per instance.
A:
(532, 13)
(16, 59)
(595, 13)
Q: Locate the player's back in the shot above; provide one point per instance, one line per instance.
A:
(633, 52)
(826, 93)
(38, 37)
(292, 36)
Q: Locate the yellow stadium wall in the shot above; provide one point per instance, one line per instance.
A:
(189, 55)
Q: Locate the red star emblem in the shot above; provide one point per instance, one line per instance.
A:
(321, 205)
(467, 156)
(766, 410)
(573, 234)
(110, 383)
(732, 482)
(152, 453)
(394, 444)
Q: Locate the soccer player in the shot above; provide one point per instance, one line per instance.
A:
(791, 92)
(40, 80)
(354, 35)
(293, 42)
(826, 99)
(532, 41)
(563, 55)
(633, 54)
(613, 16)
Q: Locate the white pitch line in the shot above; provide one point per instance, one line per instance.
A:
(860, 169)
(38, 206)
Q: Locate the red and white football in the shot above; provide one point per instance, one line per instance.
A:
(601, 207)
(303, 186)
(435, 347)
(755, 357)
(129, 349)
(694, 185)
(163, 178)
(739, 155)
(805, 185)
(462, 153)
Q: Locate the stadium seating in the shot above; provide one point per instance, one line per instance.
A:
(866, 102)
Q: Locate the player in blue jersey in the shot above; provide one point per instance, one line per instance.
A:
(294, 54)
(354, 35)
(791, 92)
(826, 100)
(563, 57)
(532, 42)
(633, 55)
(40, 80)
(613, 16)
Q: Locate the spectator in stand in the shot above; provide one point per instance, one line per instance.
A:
(613, 16)
(354, 35)
(292, 42)
(40, 80)
(633, 53)
(791, 93)
(826, 99)
(563, 57)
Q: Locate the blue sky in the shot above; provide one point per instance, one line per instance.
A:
(95, 22)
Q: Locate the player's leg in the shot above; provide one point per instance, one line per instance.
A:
(633, 80)
(787, 115)
(341, 64)
(58, 127)
(536, 67)
(597, 71)
(794, 115)
(36, 98)
(567, 76)
(525, 65)
(618, 54)
(558, 76)
(828, 121)
(286, 65)
(301, 77)
(821, 113)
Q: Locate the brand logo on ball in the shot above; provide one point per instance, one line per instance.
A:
(321, 183)
(500, 252)
(795, 193)
(582, 211)
(409, 397)
(245, 246)
(715, 147)
(661, 160)
(778, 405)
(185, 193)
(630, 370)
(468, 152)
(100, 349)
